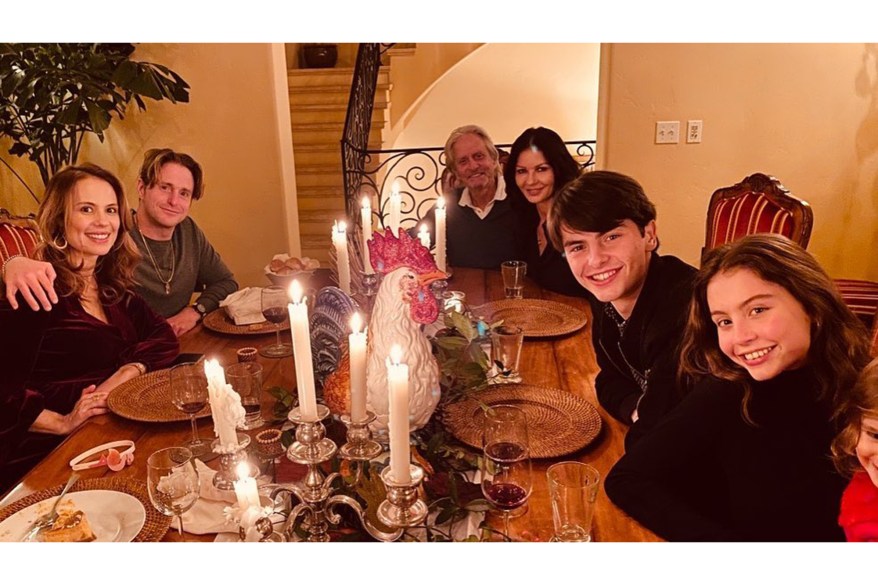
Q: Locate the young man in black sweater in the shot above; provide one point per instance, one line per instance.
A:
(606, 227)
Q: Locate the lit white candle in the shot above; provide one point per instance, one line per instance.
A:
(225, 405)
(366, 216)
(301, 333)
(245, 488)
(398, 381)
(357, 341)
(395, 208)
(424, 236)
(440, 233)
(340, 241)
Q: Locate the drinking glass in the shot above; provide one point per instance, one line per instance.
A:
(274, 308)
(245, 378)
(506, 342)
(507, 477)
(513, 272)
(573, 490)
(189, 394)
(172, 481)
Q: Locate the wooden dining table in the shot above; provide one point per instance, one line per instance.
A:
(567, 363)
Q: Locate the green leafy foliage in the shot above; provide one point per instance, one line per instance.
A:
(53, 94)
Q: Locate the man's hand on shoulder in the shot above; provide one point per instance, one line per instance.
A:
(184, 321)
(33, 279)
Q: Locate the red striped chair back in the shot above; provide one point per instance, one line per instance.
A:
(759, 204)
(18, 235)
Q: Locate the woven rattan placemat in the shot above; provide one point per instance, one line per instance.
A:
(537, 317)
(220, 322)
(147, 398)
(558, 422)
(154, 527)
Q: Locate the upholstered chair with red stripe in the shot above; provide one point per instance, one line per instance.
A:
(757, 205)
(18, 235)
(862, 297)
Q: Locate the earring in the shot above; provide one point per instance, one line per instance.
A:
(58, 246)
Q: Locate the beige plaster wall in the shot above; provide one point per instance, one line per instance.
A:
(231, 126)
(509, 87)
(806, 113)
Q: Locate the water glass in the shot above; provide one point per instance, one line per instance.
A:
(245, 378)
(172, 481)
(513, 272)
(506, 342)
(573, 489)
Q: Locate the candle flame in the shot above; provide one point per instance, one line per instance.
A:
(423, 229)
(342, 227)
(356, 323)
(296, 292)
(243, 470)
(367, 204)
(440, 202)
(395, 354)
(394, 189)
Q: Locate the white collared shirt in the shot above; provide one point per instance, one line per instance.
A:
(499, 195)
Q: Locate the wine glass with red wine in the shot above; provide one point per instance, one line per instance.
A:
(507, 478)
(274, 309)
(189, 394)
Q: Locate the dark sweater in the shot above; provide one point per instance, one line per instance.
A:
(704, 474)
(549, 269)
(197, 268)
(473, 242)
(639, 365)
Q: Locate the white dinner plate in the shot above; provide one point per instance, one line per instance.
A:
(113, 516)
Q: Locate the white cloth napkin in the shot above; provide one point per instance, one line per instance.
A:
(244, 306)
(206, 516)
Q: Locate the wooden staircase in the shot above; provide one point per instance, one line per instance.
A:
(318, 104)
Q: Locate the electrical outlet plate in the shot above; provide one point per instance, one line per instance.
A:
(693, 131)
(667, 132)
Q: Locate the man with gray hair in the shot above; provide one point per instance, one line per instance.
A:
(483, 222)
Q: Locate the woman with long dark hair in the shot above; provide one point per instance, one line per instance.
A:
(773, 351)
(99, 335)
(539, 166)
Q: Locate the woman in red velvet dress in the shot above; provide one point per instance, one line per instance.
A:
(59, 366)
(856, 454)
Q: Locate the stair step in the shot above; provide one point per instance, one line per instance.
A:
(330, 77)
(320, 95)
(319, 180)
(330, 114)
(326, 134)
(333, 203)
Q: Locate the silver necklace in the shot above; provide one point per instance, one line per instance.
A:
(155, 265)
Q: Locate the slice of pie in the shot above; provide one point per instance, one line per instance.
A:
(70, 526)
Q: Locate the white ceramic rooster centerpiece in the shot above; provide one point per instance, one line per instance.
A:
(403, 303)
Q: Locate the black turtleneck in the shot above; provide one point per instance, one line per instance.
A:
(705, 474)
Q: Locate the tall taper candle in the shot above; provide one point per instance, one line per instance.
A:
(246, 490)
(340, 241)
(366, 217)
(398, 381)
(357, 341)
(424, 236)
(395, 209)
(440, 233)
(301, 333)
(225, 405)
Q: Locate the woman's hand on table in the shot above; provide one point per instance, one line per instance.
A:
(91, 403)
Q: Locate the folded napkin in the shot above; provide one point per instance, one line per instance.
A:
(207, 516)
(244, 306)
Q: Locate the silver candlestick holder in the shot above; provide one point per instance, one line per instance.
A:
(403, 507)
(359, 445)
(317, 501)
(224, 479)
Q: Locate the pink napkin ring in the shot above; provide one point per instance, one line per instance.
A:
(113, 458)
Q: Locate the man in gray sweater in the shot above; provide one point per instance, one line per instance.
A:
(178, 260)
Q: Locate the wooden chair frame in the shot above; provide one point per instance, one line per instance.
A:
(801, 214)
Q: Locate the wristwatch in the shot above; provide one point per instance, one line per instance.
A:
(200, 309)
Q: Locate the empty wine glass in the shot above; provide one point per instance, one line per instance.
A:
(189, 394)
(507, 477)
(274, 309)
(172, 481)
